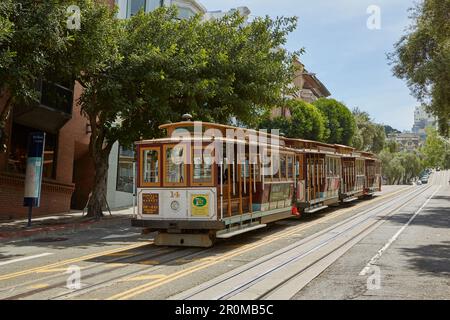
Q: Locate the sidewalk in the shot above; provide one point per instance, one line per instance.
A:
(72, 221)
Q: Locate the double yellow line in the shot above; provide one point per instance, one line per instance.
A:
(71, 261)
(207, 262)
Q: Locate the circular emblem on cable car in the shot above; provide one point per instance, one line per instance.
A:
(199, 202)
(175, 205)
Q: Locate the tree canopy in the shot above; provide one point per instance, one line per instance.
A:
(6, 32)
(435, 150)
(422, 58)
(152, 68)
(369, 136)
(339, 121)
(34, 44)
(305, 122)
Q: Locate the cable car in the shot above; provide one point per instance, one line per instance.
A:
(207, 181)
(373, 174)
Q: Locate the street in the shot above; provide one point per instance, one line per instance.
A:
(394, 246)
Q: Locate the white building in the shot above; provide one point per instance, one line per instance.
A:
(244, 11)
(187, 8)
(120, 174)
(407, 141)
(423, 120)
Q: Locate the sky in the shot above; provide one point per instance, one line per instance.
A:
(347, 56)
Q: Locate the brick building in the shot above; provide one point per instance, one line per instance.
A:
(66, 148)
(68, 169)
(307, 87)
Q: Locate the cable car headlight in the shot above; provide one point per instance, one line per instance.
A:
(175, 205)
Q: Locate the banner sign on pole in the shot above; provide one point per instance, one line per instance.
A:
(35, 165)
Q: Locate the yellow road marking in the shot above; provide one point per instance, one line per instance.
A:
(145, 277)
(181, 261)
(39, 286)
(119, 254)
(207, 262)
(52, 270)
(71, 261)
(149, 262)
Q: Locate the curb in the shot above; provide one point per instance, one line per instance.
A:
(77, 226)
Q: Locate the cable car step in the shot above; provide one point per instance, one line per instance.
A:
(350, 199)
(240, 231)
(316, 209)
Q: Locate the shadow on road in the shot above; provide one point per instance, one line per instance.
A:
(434, 258)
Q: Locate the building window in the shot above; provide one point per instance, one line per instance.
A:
(185, 13)
(125, 170)
(134, 6)
(17, 160)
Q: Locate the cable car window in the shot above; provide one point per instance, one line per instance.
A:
(229, 166)
(283, 170)
(268, 166)
(290, 167)
(245, 170)
(256, 175)
(150, 166)
(174, 164)
(297, 169)
(202, 168)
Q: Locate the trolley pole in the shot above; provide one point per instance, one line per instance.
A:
(134, 189)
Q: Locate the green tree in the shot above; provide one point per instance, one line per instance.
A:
(6, 32)
(434, 149)
(305, 122)
(153, 68)
(369, 136)
(393, 169)
(411, 163)
(339, 122)
(392, 146)
(422, 58)
(388, 130)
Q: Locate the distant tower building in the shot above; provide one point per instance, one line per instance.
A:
(423, 120)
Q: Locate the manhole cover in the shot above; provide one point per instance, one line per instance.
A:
(50, 240)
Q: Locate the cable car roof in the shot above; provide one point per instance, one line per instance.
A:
(291, 144)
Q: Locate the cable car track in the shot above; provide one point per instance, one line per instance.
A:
(160, 253)
(396, 203)
(142, 256)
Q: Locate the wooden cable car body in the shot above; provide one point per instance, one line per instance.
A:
(373, 174)
(197, 185)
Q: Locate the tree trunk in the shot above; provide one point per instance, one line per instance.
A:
(97, 200)
(4, 116)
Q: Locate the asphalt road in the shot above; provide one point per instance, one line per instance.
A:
(395, 246)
